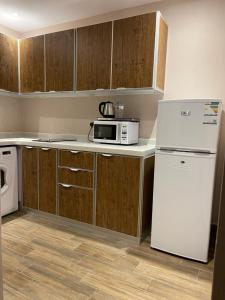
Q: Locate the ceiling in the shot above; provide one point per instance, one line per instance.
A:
(28, 15)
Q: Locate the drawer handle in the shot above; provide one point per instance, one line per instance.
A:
(45, 149)
(74, 151)
(66, 185)
(106, 155)
(28, 147)
(74, 170)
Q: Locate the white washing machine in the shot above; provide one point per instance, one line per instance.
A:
(9, 180)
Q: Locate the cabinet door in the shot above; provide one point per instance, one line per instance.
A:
(8, 63)
(47, 180)
(76, 203)
(59, 48)
(94, 56)
(32, 64)
(118, 193)
(133, 51)
(30, 177)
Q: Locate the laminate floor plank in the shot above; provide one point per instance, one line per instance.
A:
(52, 259)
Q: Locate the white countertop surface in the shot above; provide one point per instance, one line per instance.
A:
(143, 149)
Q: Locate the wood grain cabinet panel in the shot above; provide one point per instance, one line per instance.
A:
(94, 56)
(32, 64)
(76, 159)
(76, 177)
(30, 177)
(133, 51)
(148, 181)
(47, 180)
(76, 203)
(8, 63)
(162, 50)
(117, 200)
(59, 49)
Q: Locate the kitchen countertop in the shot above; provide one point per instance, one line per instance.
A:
(143, 148)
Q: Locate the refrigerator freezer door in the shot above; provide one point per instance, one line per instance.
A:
(188, 124)
(182, 203)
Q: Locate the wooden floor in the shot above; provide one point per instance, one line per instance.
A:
(46, 259)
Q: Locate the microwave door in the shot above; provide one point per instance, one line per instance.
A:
(107, 133)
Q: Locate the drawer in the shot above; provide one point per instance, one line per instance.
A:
(76, 159)
(76, 203)
(75, 176)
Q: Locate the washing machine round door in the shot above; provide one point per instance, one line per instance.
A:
(4, 179)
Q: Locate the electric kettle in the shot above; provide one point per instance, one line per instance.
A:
(106, 109)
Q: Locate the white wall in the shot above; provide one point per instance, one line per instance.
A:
(11, 114)
(73, 115)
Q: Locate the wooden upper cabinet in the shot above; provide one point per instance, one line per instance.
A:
(59, 51)
(47, 180)
(161, 55)
(94, 56)
(135, 52)
(32, 64)
(8, 63)
(117, 198)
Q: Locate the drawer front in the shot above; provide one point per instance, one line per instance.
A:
(75, 177)
(76, 159)
(76, 203)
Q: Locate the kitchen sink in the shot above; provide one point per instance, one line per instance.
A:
(53, 140)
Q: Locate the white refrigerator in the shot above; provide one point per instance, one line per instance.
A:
(185, 160)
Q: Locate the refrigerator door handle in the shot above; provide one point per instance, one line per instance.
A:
(194, 151)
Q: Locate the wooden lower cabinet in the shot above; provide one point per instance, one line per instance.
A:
(76, 177)
(117, 201)
(76, 203)
(30, 177)
(122, 203)
(47, 180)
(76, 159)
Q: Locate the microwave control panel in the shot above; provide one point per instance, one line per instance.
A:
(124, 136)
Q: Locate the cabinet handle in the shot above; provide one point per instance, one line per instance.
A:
(45, 149)
(52, 91)
(3, 90)
(74, 170)
(106, 155)
(66, 185)
(99, 89)
(74, 151)
(121, 88)
(28, 147)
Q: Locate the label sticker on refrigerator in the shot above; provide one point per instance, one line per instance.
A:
(210, 114)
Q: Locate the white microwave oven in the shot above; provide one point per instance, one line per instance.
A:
(116, 132)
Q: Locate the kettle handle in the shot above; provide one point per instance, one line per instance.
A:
(100, 108)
